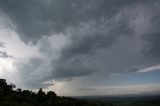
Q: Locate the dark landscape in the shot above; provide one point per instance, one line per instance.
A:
(18, 97)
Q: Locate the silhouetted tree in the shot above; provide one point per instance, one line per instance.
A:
(4, 88)
(3, 84)
(41, 95)
(51, 94)
(19, 90)
(26, 93)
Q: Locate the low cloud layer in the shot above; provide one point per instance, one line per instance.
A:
(151, 68)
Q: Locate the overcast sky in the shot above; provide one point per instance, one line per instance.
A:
(81, 47)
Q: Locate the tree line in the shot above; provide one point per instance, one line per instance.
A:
(18, 97)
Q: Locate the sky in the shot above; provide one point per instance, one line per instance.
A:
(81, 47)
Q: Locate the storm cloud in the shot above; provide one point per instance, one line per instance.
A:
(47, 17)
(79, 38)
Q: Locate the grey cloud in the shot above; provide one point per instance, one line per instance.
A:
(34, 19)
(152, 47)
(64, 68)
(88, 89)
(35, 84)
(34, 73)
(146, 19)
(146, 23)
(101, 40)
(73, 67)
(76, 57)
(96, 35)
(2, 45)
(4, 54)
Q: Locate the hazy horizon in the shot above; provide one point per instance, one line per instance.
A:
(81, 47)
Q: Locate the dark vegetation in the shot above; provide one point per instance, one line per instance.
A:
(18, 97)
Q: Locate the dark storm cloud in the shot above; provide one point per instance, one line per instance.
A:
(96, 35)
(152, 48)
(152, 32)
(92, 27)
(36, 18)
(77, 56)
(73, 67)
